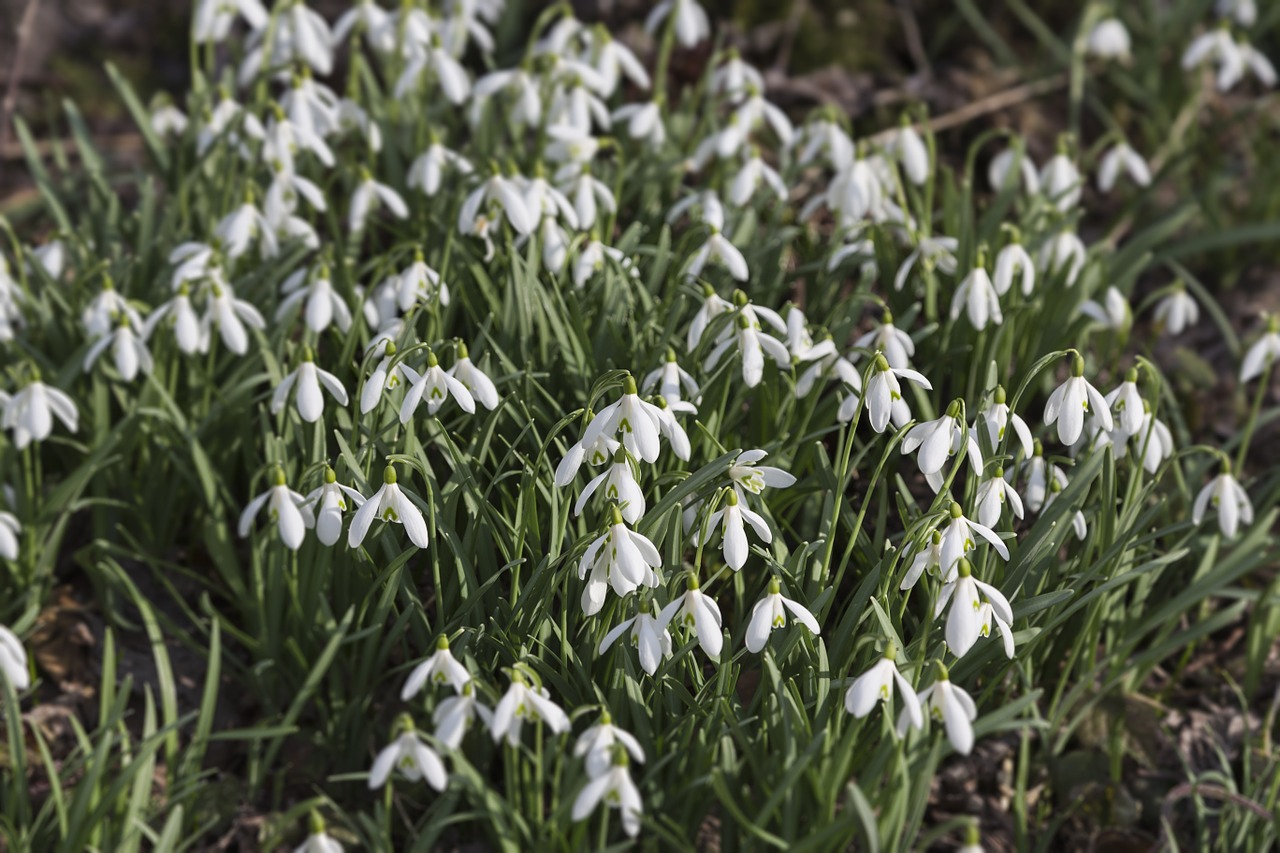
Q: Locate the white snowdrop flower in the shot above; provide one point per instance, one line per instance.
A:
(10, 530)
(575, 105)
(523, 88)
(938, 440)
(389, 504)
(452, 78)
(13, 658)
(596, 745)
(643, 122)
(934, 252)
(618, 484)
(419, 283)
(831, 366)
(167, 120)
(307, 380)
(1257, 63)
(614, 786)
(747, 476)
(591, 259)
(630, 417)
(230, 315)
(755, 110)
(911, 151)
(717, 249)
(412, 757)
(1071, 401)
(1011, 262)
(29, 413)
(179, 315)
(1153, 441)
(731, 520)
(1127, 405)
(649, 637)
(1122, 157)
(827, 139)
(285, 507)
(875, 686)
(193, 262)
(522, 703)
(589, 195)
(997, 417)
(454, 714)
(854, 192)
(703, 206)
(1013, 164)
(328, 503)
(477, 383)
(770, 613)
(318, 841)
(428, 169)
(240, 228)
(1218, 47)
(752, 344)
(1064, 250)
(1038, 474)
(441, 668)
(284, 140)
(884, 396)
(369, 20)
(1109, 39)
(621, 558)
(1061, 182)
(1245, 12)
(366, 194)
(1176, 311)
(689, 20)
(927, 559)
(950, 705)
(698, 612)
(311, 104)
(1262, 354)
(713, 305)
(106, 310)
(734, 77)
(895, 344)
(670, 428)
(498, 195)
(599, 451)
(128, 351)
(212, 19)
(987, 615)
(51, 257)
(300, 35)
(282, 197)
(1078, 523)
(671, 380)
(749, 178)
(801, 343)
(437, 386)
(354, 119)
(614, 60)
(465, 22)
(555, 245)
(976, 295)
(960, 537)
(859, 246)
(994, 493)
(1229, 499)
(323, 304)
(231, 121)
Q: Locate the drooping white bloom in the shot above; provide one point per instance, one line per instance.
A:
(978, 297)
(621, 558)
(1071, 401)
(284, 139)
(213, 18)
(29, 413)
(713, 305)
(328, 503)
(178, 315)
(589, 196)
(437, 386)
(717, 249)
(912, 152)
(614, 786)
(498, 195)
(633, 420)
(1153, 441)
(318, 841)
(591, 260)
(13, 660)
(688, 18)
(670, 428)
(596, 746)
(935, 252)
(1064, 250)
(960, 537)
(1061, 182)
(441, 668)
(618, 484)
(369, 192)
(241, 227)
(895, 344)
(230, 315)
(875, 686)
(1109, 39)
(523, 88)
(597, 452)
(671, 380)
(831, 366)
(753, 174)
(285, 507)
(1218, 47)
(324, 305)
(1229, 499)
(454, 83)
(368, 19)
(105, 311)
(965, 594)
(1176, 311)
(232, 122)
(1001, 171)
(752, 344)
(419, 283)
(696, 611)
(522, 703)
(770, 613)
(734, 76)
(413, 758)
(307, 380)
(950, 705)
(391, 505)
(310, 104)
(1127, 405)
(986, 615)
(998, 416)
(649, 637)
(1038, 474)
(477, 383)
(938, 440)
(1012, 261)
(992, 496)
(1119, 157)
(643, 122)
(1262, 354)
(884, 395)
(427, 171)
(1245, 12)
(747, 476)
(1078, 523)
(731, 520)
(454, 714)
(928, 559)
(128, 351)
(300, 35)
(10, 530)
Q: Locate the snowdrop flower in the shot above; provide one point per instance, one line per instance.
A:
(997, 417)
(698, 612)
(884, 396)
(1229, 499)
(950, 705)
(597, 452)
(1153, 441)
(895, 344)
(978, 297)
(194, 262)
(1038, 475)
(589, 196)
(369, 20)
(239, 228)
(911, 151)
(323, 304)
(367, 193)
(731, 519)
(1071, 401)
(993, 493)
(591, 260)
(51, 257)
(501, 195)
(391, 505)
(308, 379)
(770, 613)
(522, 703)
(1108, 40)
(746, 183)
(670, 428)
(479, 385)
(13, 659)
(875, 685)
(230, 315)
(213, 18)
(753, 345)
(929, 559)
(960, 537)
(688, 18)
(713, 305)
(1121, 156)
(318, 841)
(454, 714)
(300, 36)
(413, 758)
(555, 245)
(1176, 311)
(285, 507)
(1219, 48)
(938, 440)
(801, 343)
(1263, 352)
(128, 350)
(1077, 520)
(649, 637)
(832, 365)
(1245, 12)
(419, 283)
(634, 419)
(671, 380)
(643, 122)
(934, 252)
(231, 120)
(1061, 182)
(29, 413)
(441, 668)
(106, 309)
(1064, 250)
(747, 476)
(437, 386)
(597, 743)
(449, 73)
(524, 88)
(284, 139)
(986, 615)
(427, 171)
(703, 206)
(311, 104)
(1012, 260)
(614, 60)
(717, 249)
(614, 786)
(965, 593)
(734, 77)
(1000, 172)
(328, 503)
(1127, 405)
(619, 485)
(10, 530)
(621, 558)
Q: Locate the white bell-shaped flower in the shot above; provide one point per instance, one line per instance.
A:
(618, 484)
(436, 386)
(595, 746)
(697, 612)
(389, 504)
(386, 376)
(412, 757)
(368, 194)
(522, 703)
(621, 558)
(717, 249)
(884, 396)
(1013, 165)
(614, 787)
(285, 507)
(427, 171)
(935, 252)
(599, 451)
(731, 520)
(960, 537)
(965, 594)
(752, 344)
(328, 503)
(1122, 158)
(323, 304)
(1127, 405)
(876, 685)
(441, 668)
(649, 637)
(180, 316)
(241, 227)
(306, 381)
(632, 420)
(950, 705)
(1263, 353)
(1071, 401)
(13, 660)
(977, 296)
(1109, 39)
(1229, 499)
(997, 418)
(1060, 180)
(1176, 311)
(688, 19)
(29, 413)
(128, 350)
(1012, 262)
(994, 493)
(927, 559)
(770, 613)
(453, 716)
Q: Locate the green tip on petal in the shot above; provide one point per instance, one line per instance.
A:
(620, 756)
(389, 348)
(616, 514)
(1132, 375)
(442, 642)
(982, 256)
(730, 497)
(1077, 365)
(1054, 486)
(432, 361)
(463, 352)
(953, 408)
(1037, 449)
(660, 401)
(307, 354)
(693, 582)
(881, 363)
(999, 475)
(671, 355)
(999, 397)
(956, 511)
(329, 475)
(629, 385)
(891, 652)
(964, 568)
(389, 475)
(887, 319)
(944, 674)
(740, 299)
(936, 537)
(606, 719)
(277, 476)
(315, 824)
(971, 835)
(403, 723)
(707, 291)
(775, 586)
(619, 456)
